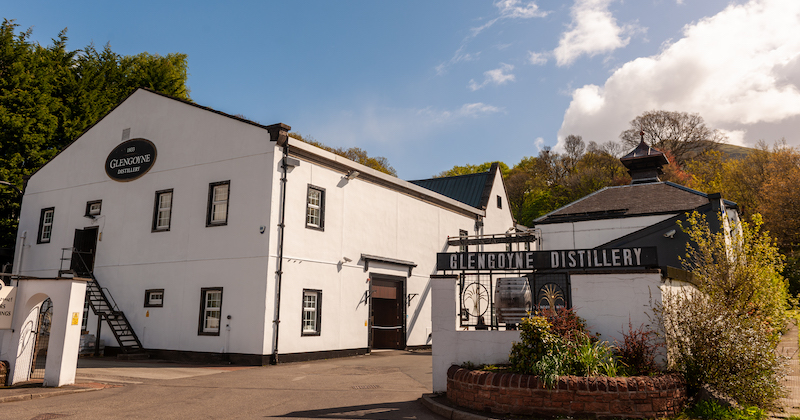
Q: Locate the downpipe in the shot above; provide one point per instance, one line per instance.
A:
(279, 271)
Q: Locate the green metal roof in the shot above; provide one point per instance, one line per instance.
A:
(472, 189)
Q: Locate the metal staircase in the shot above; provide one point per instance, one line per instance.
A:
(104, 306)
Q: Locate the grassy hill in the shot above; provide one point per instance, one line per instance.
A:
(735, 152)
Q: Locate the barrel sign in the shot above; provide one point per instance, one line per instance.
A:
(130, 160)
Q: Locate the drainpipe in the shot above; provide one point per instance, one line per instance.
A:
(279, 133)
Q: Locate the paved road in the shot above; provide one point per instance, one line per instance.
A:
(383, 385)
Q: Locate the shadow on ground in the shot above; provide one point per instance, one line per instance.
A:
(387, 411)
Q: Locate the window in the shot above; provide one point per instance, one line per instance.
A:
(499, 202)
(210, 310)
(463, 235)
(46, 225)
(93, 208)
(162, 213)
(218, 193)
(154, 298)
(315, 208)
(312, 302)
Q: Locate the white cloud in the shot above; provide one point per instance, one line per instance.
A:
(477, 109)
(537, 59)
(519, 10)
(538, 144)
(498, 76)
(739, 69)
(511, 9)
(508, 9)
(593, 30)
(458, 57)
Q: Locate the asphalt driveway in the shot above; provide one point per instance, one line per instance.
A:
(382, 385)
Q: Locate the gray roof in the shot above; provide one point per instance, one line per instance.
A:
(630, 200)
(472, 189)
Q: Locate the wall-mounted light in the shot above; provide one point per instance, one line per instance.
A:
(352, 174)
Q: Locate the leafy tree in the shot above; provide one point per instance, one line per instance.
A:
(379, 163)
(472, 169)
(724, 333)
(50, 95)
(685, 135)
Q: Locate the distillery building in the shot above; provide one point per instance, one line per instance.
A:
(210, 236)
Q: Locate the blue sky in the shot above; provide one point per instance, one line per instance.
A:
(432, 84)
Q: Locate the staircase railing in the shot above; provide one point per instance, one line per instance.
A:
(105, 307)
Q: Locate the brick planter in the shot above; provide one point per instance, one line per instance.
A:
(508, 393)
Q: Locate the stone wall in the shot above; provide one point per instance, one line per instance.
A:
(507, 393)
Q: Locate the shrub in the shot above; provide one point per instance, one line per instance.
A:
(565, 323)
(637, 351)
(548, 355)
(724, 332)
(537, 343)
(710, 410)
(710, 344)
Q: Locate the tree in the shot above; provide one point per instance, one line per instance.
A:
(725, 332)
(472, 169)
(683, 134)
(50, 95)
(355, 154)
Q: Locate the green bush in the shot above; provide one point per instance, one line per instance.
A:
(709, 410)
(724, 333)
(548, 355)
(711, 345)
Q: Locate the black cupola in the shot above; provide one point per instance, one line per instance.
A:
(644, 163)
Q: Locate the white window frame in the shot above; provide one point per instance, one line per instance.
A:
(218, 206)
(162, 209)
(45, 226)
(207, 311)
(93, 208)
(311, 319)
(154, 298)
(315, 208)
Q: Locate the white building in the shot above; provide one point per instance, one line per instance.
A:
(611, 256)
(179, 212)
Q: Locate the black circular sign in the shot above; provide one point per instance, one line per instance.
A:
(130, 160)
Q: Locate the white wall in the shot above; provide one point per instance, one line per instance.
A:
(195, 147)
(62, 352)
(592, 233)
(453, 347)
(609, 301)
(606, 301)
(361, 217)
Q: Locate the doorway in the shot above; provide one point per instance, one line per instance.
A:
(41, 339)
(387, 312)
(83, 251)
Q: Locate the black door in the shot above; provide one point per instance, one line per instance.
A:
(83, 250)
(388, 316)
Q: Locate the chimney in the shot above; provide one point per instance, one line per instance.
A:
(644, 163)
